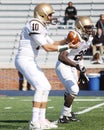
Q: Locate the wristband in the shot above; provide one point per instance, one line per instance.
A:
(63, 48)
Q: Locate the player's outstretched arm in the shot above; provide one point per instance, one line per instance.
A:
(64, 59)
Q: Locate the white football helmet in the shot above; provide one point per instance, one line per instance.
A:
(42, 11)
(84, 25)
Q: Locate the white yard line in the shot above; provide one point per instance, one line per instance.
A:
(7, 108)
(96, 99)
(90, 108)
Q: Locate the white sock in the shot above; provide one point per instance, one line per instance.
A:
(35, 114)
(43, 110)
(66, 111)
(42, 114)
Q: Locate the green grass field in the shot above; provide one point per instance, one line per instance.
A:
(15, 112)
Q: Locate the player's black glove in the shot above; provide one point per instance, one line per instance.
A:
(82, 69)
(83, 78)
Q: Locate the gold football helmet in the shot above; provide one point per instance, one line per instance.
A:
(84, 24)
(42, 11)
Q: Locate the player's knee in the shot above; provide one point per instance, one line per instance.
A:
(74, 90)
(45, 95)
(41, 95)
(38, 95)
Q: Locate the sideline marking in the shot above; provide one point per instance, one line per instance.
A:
(90, 108)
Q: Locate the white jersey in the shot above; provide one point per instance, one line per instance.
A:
(76, 54)
(34, 34)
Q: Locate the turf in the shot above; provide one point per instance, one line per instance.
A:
(15, 112)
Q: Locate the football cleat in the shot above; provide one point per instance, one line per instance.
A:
(67, 119)
(46, 124)
(73, 117)
(34, 126)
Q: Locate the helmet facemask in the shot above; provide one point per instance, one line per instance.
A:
(84, 26)
(52, 20)
(88, 30)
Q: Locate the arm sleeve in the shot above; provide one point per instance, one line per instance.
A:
(98, 25)
(66, 12)
(41, 39)
(75, 11)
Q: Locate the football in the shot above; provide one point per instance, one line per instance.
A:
(73, 37)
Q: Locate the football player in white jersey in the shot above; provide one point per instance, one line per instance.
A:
(69, 63)
(33, 36)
